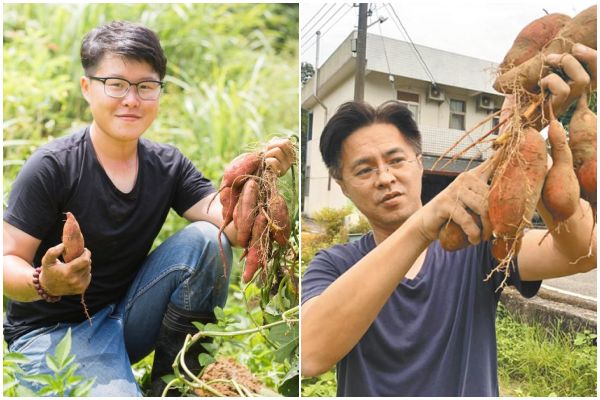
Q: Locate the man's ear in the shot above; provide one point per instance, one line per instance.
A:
(342, 186)
(84, 83)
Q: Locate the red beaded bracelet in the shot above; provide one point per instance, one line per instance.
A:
(38, 287)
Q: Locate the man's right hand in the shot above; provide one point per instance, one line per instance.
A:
(469, 191)
(61, 279)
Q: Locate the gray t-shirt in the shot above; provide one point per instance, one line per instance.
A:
(436, 334)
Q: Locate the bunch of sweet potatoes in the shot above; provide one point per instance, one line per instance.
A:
(251, 200)
(521, 177)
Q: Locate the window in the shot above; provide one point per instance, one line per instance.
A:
(410, 101)
(457, 114)
(495, 121)
(310, 126)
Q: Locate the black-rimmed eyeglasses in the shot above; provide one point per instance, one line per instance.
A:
(119, 87)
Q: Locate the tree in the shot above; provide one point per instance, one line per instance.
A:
(307, 71)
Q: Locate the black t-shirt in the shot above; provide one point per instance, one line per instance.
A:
(119, 228)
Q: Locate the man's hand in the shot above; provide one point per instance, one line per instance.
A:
(578, 79)
(60, 279)
(280, 155)
(469, 191)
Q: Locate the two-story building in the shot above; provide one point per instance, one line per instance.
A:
(447, 93)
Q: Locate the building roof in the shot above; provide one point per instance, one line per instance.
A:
(447, 68)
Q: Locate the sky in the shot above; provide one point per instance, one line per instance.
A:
(483, 29)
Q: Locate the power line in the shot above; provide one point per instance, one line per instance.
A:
(306, 44)
(387, 61)
(313, 17)
(419, 56)
(322, 16)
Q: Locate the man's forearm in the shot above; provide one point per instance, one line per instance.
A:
(576, 236)
(18, 279)
(334, 322)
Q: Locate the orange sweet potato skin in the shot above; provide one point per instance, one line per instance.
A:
(256, 256)
(72, 239)
(560, 194)
(583, 145)
(580, 29)
(516, 188)
(532, 39)
(241, 166)
(280, 216)
(246, 212)
(452, 237)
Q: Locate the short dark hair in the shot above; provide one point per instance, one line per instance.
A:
(126, 39)
(354, 115)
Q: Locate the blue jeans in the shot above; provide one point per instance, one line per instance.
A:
(186, 269)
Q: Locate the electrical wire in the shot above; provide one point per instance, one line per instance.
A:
(419, 56)
(310, 43)
(313, 17)
(322, 16)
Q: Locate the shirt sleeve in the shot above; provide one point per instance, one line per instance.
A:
(36, 195)
(192, 186)
(527, 289)
(321, 273)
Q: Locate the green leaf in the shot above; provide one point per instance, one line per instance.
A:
(285, 351)
(83, 390)
(16, 358)
(205, 359)
(291, 382)
(219, 313)
(44, 379)
(52, 364)
(211, 347)
(198, 325)
(63, 348)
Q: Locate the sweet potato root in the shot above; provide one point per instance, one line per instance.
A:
(583, 145)
(580, 29)
(258, 248)
(560, 194)
(246, 211)
(532, 39)
(280, 217)
(516, 189)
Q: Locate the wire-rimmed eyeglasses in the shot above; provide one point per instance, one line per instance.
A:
(119, 87)
(367, 172)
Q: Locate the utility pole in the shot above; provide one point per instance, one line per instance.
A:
(361, 52)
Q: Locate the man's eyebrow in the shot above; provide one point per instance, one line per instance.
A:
(366, 160)
(142, 79)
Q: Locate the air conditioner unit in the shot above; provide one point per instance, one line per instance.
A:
(435, 93)
(486, 102)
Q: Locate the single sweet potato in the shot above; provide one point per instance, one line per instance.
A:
(516, 189)
(580, 29)
(258, 248)
(279, 214)
(560, 194)
(72, 239)
(582, 141)
(532, 39)
(243, 165)
(453, 238)
(74, 246)
(246, 212)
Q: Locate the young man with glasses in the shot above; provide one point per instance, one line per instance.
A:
(399, 315)
(120, 187)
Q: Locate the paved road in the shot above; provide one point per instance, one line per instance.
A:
(582, 284)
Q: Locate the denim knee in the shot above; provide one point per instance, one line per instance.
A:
(209, 280)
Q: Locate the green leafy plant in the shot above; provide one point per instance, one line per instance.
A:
(62, 382)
